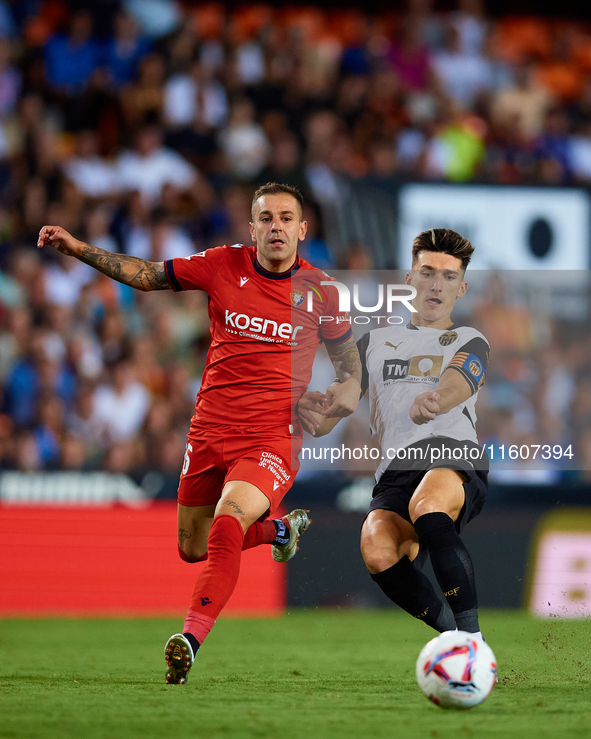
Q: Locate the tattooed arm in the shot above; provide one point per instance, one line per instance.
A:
(346, 361)
(138, 273)
(320, 412)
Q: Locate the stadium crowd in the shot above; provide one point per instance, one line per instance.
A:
(144, 127)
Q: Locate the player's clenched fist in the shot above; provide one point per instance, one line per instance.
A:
(60, 239)
(425, 407)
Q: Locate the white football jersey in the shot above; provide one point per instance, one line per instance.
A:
(399, 362)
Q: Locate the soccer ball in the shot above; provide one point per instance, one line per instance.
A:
(456, 670)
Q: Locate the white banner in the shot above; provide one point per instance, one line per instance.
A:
(511, 227)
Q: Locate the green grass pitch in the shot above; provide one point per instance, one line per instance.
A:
(309, 675)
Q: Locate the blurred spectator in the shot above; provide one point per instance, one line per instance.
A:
(579, 155)
(133, 226)
(249, 63)
(156, 18)
(93, 175)
(410, 57)
(471, 26)
(195, 99)
(37, 370)
(6, 442)
(149, 166)
(559, 73)
(14, 337)
(463, 72)
(122, 405)
(456, 149)
(121, 458)
(64, 278)
(244, 142)
(285, 163)
(143, 100)
(169, 240)
(8, 25)
(124, 50)
(73, 454)
(29, 276)
(10, 81)
(96, 224)
(83, 423)
(112, 335)
(71, 58)
(26, 453)
(314, 248)
(48, 430)
(553, 151)
(195, 107)
(523, 105)
(84, 354)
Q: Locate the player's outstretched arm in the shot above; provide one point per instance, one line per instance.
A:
(343, 396)
(451, 391)
(138, 273)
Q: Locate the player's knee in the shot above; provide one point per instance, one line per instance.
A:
(378, 561)
(190, 553)
(425, 505)
(422, 506)
(377, 557)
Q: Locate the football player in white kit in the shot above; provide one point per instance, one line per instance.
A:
(423, 380)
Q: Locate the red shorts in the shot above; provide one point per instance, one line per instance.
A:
(265, 457)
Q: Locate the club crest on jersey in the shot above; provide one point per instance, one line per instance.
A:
(297, 298)
(448, 338)
(475, 368)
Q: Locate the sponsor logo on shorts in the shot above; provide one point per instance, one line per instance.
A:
(274, 463)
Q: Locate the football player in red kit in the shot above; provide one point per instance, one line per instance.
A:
(238, 464)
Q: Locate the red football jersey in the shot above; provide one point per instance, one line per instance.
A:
(265, 330)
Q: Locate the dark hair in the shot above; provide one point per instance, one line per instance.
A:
(277, 188)
(445, 241)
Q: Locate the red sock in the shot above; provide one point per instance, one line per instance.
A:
(260, 533)
(218, 578)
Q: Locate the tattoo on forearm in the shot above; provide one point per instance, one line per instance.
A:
(184, 534)
(345, 359)
(235, 506)
(138, 273)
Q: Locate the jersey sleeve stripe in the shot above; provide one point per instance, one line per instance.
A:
(169, 269)
(340, 339)
(458, 360)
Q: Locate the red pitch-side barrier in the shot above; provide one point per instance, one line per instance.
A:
(114, 561)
